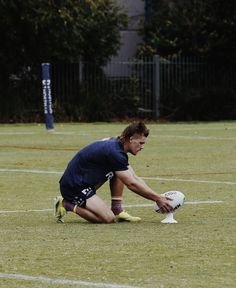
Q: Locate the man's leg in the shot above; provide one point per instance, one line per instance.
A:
(95, 211)
(117, 188)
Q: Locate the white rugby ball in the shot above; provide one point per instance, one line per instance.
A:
(178, 200)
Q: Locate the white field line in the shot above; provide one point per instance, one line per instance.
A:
(17, 133)
(187, 202)
(194, 137)
(35, 171)
(125, 206)
(195, 128)
(88, 133)
(32, 171)
(24, 211)
(81, 133)
(79, 283)
(190, 180)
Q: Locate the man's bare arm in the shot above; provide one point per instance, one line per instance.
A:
(137, 185)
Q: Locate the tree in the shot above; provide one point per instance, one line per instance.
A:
(191, 27)
(53, 31)
(57, 30)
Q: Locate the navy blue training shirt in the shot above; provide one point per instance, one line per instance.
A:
(95, 164)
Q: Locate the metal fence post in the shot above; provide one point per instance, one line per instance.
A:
(156, 86)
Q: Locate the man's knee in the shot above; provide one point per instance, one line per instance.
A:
(97, 206)
(108, 219)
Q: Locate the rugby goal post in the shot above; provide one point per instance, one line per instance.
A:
(47, 96)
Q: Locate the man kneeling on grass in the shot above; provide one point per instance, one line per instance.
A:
(96, 163)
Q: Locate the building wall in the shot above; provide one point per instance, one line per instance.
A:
(130, 37)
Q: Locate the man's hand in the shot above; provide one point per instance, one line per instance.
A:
(163, 203)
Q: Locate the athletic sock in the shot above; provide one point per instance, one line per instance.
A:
(116, 206)
(68, 205)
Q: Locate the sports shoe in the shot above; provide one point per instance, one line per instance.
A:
(124, 216)
(59, 210)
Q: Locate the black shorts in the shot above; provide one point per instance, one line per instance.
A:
(77, 196)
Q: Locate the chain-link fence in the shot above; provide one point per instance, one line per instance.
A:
(176, 88)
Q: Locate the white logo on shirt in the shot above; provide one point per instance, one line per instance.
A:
(110, 175)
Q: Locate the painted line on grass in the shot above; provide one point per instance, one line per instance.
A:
(187, 202)
(80, 133)
(35, 171)
(184, 137)
(194, 128)
(125, 206)
(62, 281)
(24, 211)
(190, 180)
(17, 133)
(193, 137)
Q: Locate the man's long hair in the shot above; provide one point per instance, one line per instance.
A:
(134, 128)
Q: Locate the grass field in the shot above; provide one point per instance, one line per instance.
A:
(198, 159)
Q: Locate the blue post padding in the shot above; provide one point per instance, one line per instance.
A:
(47, 96)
